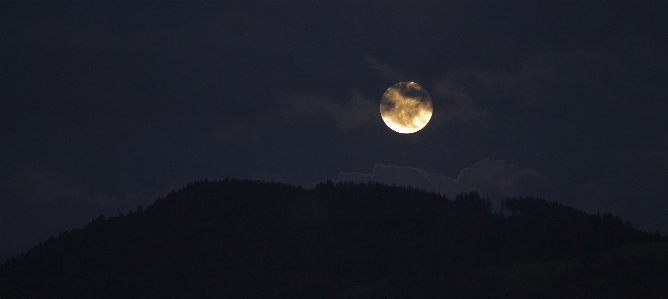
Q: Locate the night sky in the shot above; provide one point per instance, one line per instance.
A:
(108, 106)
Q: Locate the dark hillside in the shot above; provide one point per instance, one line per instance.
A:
(233, 238)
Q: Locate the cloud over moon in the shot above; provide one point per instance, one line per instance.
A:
(461, 94)
(491, 178)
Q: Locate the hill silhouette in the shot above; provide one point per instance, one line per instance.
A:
(250, 239)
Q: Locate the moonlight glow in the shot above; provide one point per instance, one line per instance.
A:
(406, 107)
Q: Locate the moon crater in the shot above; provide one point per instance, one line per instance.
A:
(406, 107)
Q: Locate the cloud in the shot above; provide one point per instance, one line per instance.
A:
(491, 178)
(453, 95)
(386, 71)
(459, 95)
(355, 112)
(496, 178)
(267, 177)
(391, 174)
(456, 104)
(348, 115)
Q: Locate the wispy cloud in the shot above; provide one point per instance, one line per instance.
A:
(491, 178)
(460, 94)
(350, 114)
(268, 177)
(456, 104)
(386, 71)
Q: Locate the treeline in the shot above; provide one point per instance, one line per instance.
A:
(235, 238)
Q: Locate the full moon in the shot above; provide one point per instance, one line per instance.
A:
(406, 107)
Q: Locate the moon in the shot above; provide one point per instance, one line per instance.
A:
(406, 107)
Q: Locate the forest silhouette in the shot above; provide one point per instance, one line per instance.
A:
(250, 239)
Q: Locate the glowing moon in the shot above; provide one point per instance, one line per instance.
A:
(406, 107)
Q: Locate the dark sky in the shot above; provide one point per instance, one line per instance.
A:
(107, 106)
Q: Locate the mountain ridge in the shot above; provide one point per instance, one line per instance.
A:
(239, 238)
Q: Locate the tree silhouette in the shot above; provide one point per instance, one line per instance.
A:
(237, 238)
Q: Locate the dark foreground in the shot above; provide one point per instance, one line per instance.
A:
(234, 239)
